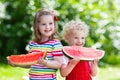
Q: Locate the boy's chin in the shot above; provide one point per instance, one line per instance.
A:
(79, 45)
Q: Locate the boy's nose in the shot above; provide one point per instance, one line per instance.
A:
(80, 40)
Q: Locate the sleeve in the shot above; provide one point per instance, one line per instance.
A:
(57, 48)
(30, 46)
(27, 48)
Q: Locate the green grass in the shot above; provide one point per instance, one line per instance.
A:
(12, 73)
(108, 73)
(16, 73)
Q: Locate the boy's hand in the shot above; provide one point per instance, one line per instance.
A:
(75, 60)
(95, 61)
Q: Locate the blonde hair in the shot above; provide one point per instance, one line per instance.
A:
(71, 27)
(36, 31)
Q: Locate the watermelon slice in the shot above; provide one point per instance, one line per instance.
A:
(26, 59)
(82, 52)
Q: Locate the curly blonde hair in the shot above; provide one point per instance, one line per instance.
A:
(36, 33)
(72, 27)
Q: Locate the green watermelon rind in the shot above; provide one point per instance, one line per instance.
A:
(65, 53)
(71, 57)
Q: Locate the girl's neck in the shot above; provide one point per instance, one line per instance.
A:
(44, 39)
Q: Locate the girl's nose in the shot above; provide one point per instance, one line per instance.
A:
(47, 26)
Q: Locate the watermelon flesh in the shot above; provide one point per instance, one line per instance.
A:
(83, 53)
(26, 59)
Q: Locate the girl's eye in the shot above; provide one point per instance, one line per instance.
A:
(51, 23)
(83, 37)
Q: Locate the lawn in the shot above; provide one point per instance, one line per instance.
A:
(108, 73)
(10, 73)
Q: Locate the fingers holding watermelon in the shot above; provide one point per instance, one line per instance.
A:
(95, 61)
(42, 61)
(10, 63)
(75, 60)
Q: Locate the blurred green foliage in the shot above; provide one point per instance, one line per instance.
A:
(102, 17)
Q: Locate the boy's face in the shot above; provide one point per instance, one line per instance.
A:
(77, 39)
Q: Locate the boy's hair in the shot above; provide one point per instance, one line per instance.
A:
(71, 27)
(36, 32)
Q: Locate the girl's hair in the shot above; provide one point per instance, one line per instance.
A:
(72, 27)
(36, 32)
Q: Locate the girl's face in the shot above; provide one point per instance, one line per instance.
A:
(46, 26)
(77, 39)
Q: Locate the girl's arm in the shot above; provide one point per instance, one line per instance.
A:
(58, 55)
(67, 68)
(56, 63)
(94, 67)
(22, 66)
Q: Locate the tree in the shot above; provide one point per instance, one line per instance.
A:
(102, 17)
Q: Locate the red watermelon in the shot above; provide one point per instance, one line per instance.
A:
(25, 59)
(83, 53)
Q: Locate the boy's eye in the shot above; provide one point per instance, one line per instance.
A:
(76, 37)
(43, 24)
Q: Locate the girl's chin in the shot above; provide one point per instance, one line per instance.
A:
(48, 35)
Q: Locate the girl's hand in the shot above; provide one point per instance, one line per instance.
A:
(42, 61)
(11, 64)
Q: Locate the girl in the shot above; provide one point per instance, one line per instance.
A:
(45, 28)
(44, 39)
(74, 34)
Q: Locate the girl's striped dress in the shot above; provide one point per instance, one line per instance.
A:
(53, 48)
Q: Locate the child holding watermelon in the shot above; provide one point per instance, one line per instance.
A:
(74, 33)
(45, 39)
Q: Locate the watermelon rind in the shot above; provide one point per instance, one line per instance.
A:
(45, 55)
(65, 53)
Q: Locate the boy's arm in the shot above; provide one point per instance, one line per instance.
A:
(66, 69)
(94, 67)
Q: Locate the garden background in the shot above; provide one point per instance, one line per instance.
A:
(102, 17)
